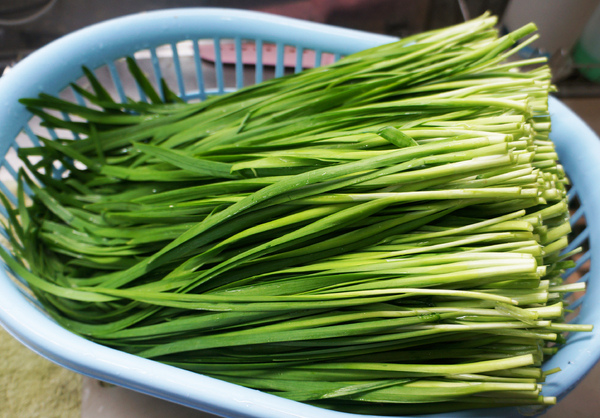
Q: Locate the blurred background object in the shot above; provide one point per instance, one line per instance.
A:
(559, 23)
(563, 37)
(587, 51)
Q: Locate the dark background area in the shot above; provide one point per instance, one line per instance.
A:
(21, 34)
(26, 25)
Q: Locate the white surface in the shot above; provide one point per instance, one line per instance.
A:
(100, 400)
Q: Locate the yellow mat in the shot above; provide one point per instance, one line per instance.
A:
(31, 386)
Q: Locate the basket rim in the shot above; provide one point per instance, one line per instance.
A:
(38, 332)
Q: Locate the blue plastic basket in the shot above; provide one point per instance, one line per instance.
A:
(276, 39)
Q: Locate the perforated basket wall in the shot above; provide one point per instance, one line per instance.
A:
(213, 51)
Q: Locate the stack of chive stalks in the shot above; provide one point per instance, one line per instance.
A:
(382, 235)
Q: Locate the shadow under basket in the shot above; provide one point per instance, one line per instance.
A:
(214, 51)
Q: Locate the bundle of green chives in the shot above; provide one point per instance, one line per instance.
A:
(383, 235)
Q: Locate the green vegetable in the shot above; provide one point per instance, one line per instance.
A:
(382, 235)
